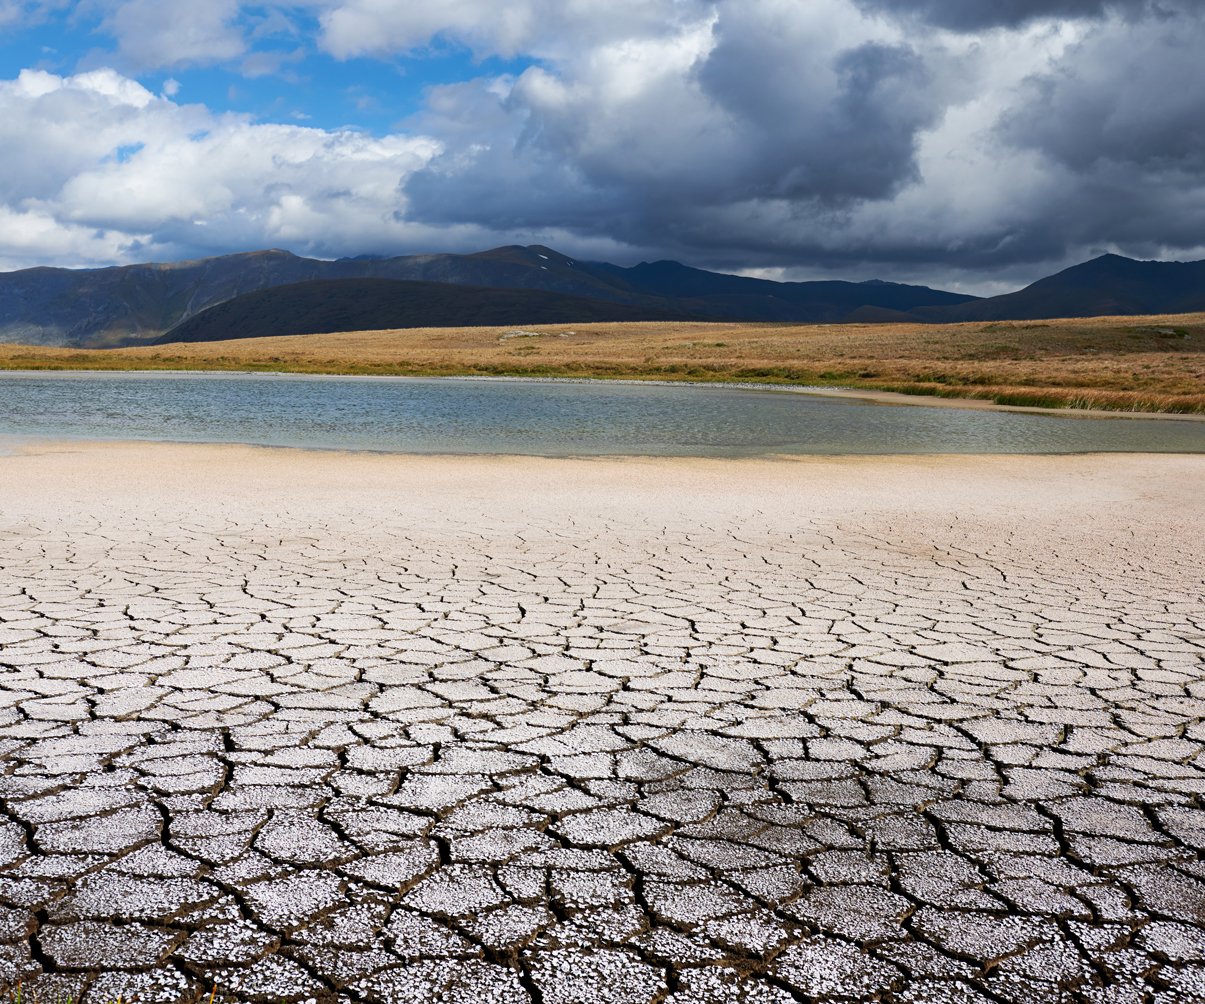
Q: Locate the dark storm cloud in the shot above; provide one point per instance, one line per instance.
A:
(1120, 125)
(768, 111)
(976, 15)
(789, 142)
(846, 130)
(1134, 98)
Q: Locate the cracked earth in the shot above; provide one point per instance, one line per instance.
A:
(324, 727)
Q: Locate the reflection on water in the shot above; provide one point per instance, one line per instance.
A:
(537, 418)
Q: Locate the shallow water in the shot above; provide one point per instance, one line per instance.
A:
(543, 418)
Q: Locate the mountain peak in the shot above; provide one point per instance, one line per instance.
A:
(667, 263)
(1108, 285)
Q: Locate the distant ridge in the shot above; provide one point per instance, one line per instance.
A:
(1101, 287)
(740, 298)
(325, 305)
(137, 304)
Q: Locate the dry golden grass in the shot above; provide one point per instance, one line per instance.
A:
(1152, 363)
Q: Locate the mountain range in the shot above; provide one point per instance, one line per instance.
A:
(322, 305)
(275, 292)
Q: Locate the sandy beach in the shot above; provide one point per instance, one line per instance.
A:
(336, 726)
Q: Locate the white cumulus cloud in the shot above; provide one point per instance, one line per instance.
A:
(98, 154)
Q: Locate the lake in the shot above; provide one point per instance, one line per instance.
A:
(542, 418)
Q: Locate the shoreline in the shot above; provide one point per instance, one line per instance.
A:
(247, 465)
(843, 393)
(29, 447)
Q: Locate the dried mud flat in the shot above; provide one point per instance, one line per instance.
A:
(344, 727)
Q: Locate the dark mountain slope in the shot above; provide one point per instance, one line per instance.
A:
(56, 306)
(325, 305)
(137, 303)
(510, 267)
(734, 297)
(1107, 285)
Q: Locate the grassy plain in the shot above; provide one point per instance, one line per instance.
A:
(1154, 364)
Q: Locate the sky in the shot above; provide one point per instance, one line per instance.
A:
(969, 144)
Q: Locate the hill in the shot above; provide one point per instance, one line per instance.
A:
(132, 303)
(740, 298)
(136, 304)
(321, 306)
(1106, 286)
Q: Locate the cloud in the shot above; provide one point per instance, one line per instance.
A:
(22, 13)
(1110, 101)
(920, 139)
(151, 34)
(543, 28)
(978, 15)
(99, 154)
(821, 117)
(37, 236)
(810, 109)
(823, 137)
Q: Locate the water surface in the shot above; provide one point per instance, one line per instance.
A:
(542, 418)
